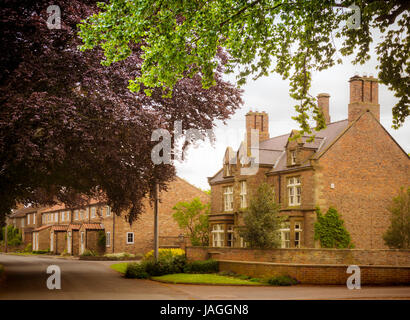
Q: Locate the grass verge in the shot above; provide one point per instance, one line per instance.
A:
(186, 278)
(120, 267)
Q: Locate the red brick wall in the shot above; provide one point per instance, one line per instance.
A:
(367, 169)
(305, 256)
(320, 274)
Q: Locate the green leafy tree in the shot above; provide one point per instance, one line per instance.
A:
(292, 38)
(398, 233)
(193, 218)
(261, 219)
(14, 236)
(330, 230)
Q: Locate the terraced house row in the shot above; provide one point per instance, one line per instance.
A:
(353, 165)
(74, 230)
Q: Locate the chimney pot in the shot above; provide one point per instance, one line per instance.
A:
(259, 121)
(323, 104)
(364, 95)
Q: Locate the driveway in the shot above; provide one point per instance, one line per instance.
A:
(25, 278)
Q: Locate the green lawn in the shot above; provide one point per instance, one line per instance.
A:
(204, 279)
(120, 267)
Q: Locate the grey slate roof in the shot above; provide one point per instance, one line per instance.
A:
(272, 151)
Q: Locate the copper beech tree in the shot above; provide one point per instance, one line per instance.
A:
(70, 126)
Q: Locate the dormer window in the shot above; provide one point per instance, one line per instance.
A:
(227, 170)
(293, 157)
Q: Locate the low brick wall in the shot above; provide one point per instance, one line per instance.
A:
(320, 274)
(20, 247)
(304, 256)
(312, 266)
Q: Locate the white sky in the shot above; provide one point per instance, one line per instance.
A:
(271, 94)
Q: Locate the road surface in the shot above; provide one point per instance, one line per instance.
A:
(25, 278)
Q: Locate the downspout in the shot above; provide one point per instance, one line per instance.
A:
(279, 188)
(113, 230)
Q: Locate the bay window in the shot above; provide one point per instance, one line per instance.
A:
(218, 235)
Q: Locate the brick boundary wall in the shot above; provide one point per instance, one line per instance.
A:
(312, 266)
(20, 247)
(320, 274)
(389, 257)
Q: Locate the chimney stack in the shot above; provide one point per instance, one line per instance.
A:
(259, 121)
(364, 96)
(323, 104)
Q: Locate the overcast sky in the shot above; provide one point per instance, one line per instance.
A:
(271, 94)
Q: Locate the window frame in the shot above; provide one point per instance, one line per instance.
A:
(93, 212)
(243, 194)
(298, 231)
(229, 236)
(108, 239)
(285, 240)
(127, 238)
(108, 211)
(218, 235)
(228, 198)
(293, 157)
(294, 187)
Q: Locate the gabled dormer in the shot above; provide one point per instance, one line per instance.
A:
(293, 150)
(229, 162)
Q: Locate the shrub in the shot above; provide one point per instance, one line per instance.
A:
(65, 253)
(14, 237)
(136, 270)
(88, 253)
(102, 239)
(41, 251)
(262, 220)
(165, 265)
(164, 253)
(122, 255)
(227, 273)
(330, 230)
(282, 281)
(207, 266)
(28, 248)
(398, 234)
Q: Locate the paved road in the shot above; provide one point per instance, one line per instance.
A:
(25, 278)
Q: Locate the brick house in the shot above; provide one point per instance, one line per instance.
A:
(353, 165)
(75, 230)
(26, 220)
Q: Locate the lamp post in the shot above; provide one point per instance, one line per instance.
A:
(5, 238)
